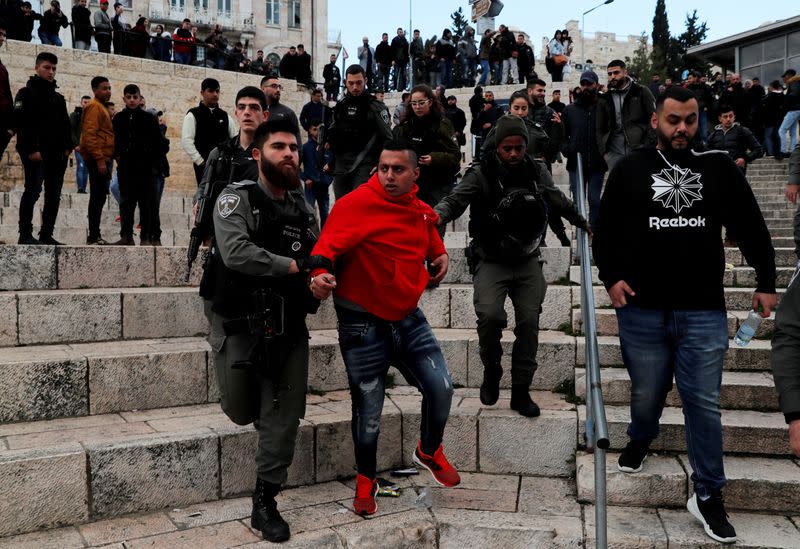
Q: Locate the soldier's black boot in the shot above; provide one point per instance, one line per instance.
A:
(522, 402)
(265, 513)
(490, 388)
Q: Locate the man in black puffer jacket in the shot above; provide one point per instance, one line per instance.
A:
(44, 141)
(735, 139)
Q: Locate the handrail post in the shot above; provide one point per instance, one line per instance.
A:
(596, 426)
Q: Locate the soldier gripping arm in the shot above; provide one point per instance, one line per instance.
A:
(453, 205)
(233, 223)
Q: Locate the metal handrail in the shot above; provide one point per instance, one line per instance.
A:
(596, 426)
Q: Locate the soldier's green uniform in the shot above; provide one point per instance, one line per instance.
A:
(506, 261)
(262, 380)
(538, 140)
(359, 128)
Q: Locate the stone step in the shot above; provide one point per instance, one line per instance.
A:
(103, 314)
(785, 232)
(77, 237)
(171, 457)
(778, 222)
(44, 382)
(744, 431)
(65, 267)
(607, 323)
(171, 203)
(740, 390)
(736, 277)
(478, 513)
(754, 357)
(754, 483)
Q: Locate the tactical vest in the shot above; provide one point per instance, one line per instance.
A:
(510, 225)
(211, 128)
(352, 123)
(290, 235)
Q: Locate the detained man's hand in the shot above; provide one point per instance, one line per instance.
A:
(794, 437)
(322, 286)
(439, 265)
(768, 302)
(618, 294)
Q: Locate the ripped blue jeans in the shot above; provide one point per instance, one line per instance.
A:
(369, 346)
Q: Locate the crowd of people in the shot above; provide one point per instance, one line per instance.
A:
(496, 57)
(397, 181)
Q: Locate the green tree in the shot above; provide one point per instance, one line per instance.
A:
(641, 65)
(661, 38)
(694, 35)
(460, 23)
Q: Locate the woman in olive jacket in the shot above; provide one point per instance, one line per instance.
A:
(432, 137)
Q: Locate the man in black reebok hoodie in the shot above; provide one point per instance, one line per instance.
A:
(658, 248)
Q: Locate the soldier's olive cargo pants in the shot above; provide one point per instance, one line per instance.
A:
(524, 283)
(249, 395)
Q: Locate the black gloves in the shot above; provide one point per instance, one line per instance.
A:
(308, 264)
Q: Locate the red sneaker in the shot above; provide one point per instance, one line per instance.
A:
(364, 503)
(443, 473)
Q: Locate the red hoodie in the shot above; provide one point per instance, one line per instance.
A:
(378, 244)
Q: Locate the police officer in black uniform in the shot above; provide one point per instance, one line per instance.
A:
(257, 298)
(509, 195)
(360, 126)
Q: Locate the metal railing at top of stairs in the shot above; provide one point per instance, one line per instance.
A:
(596, 426)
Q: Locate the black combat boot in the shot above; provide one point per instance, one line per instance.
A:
(490, 388)
(522, 402)
(265, 513)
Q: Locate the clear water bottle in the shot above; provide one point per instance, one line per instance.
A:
(424, 499)
(748, 328)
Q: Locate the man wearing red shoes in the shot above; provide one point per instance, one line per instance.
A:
(380, 259)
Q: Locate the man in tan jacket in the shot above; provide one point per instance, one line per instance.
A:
(97, 148)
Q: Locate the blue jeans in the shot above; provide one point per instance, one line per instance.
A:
(368, 346)
(114, 188)
(81, 173)
(49, 39)
(789, 125)
(445, 72)
(702, 126)
(657, 344)
(182, 58)
(594, 182)
(318, 193)
(772, 143)
(468, 67)
(485, 70)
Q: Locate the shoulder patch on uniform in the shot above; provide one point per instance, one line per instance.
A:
(17, 104)
(226, 204)
(385, 116)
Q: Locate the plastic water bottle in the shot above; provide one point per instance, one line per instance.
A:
(748, 328)
(424, 499)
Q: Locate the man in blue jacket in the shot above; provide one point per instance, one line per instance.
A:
(314, 174)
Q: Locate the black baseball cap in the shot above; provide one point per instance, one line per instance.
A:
(789, 72)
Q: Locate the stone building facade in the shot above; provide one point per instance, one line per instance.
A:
(600, 48)
(270, 25)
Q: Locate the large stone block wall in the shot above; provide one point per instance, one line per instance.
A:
(168, 87)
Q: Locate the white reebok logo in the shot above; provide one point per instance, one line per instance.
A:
(677, 188)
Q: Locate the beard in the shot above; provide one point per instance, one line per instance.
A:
(668, 142)
(284, 175)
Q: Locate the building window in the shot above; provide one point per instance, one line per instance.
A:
(273, 12)
(294, 14)
(177, 4)
(223, 6)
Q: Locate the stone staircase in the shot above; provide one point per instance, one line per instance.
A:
(110, 429)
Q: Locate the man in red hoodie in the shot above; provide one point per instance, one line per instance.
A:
(380, 264)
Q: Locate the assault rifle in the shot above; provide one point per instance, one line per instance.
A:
(204, 222)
